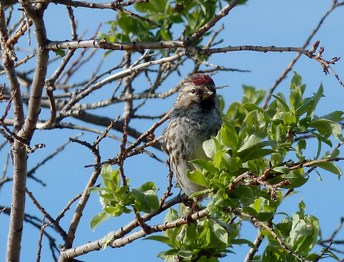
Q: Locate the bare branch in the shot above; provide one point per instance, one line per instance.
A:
(19, 152)
(257, 242)
(36, 222)
(95, 5)
(19, 33)
(67, 207)
(83, 93)
(84, 197)
(103, 44)
(39, 249)
(123, 152)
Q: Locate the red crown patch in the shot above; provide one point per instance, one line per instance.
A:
(200, 79)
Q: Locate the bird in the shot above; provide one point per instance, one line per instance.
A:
(194, 118)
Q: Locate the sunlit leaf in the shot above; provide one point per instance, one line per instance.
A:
(197, 177)
(210, 147)
(98, 219)
(229, 136)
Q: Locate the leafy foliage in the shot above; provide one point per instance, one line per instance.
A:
(117, 199)
(162, 19)
(256, 159)
(203, 241)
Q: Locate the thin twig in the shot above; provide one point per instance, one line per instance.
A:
(123, 152)
(296, 58)
(169, 187)
(49, 157)
(67, 207)
(56, 225)
(85, 194)
(40, 239)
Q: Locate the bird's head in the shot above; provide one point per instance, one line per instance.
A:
(197, 89)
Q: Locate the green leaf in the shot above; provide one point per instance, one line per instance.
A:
(220, 233)
(264, 216)
(324, 126)
(221, 103)
(201, 164)
(145, 200)
(115, 210)
(147, 186)
(253, 95)
(281, 169)
(165, 35)
(296, 92)
(331, 167)
(151, 7)
(296, 178)
(332, 153)
(197, 177)
(327, 127)
(245, 194)
(305, 105)
(250, 211)
(254, 122)
(281, 103)
(159, 238)
(301, 145)
(289, 118)
(111, 178)
(107, 239)
(98, 219)
(171, 215)
(231, 164)
(315, 100)
(276, 159)
(304, 233)
(229, 136)
(241, 241)
(253, 107)
(168, 255)
(219, 158)
(210, 147)
(252, 148)
(59, 52)
(337, 131)
(250, 142)
(335, 116)
(257, 153)
(128, 24)
(187, 236)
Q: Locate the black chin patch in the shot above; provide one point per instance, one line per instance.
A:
(207, 104)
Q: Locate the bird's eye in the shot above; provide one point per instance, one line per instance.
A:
(193, 91)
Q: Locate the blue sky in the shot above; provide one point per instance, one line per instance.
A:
(270, 22)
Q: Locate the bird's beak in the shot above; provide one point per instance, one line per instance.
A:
(208, 94)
